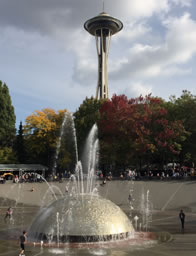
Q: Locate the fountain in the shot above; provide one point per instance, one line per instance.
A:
(82, 216)
(74, 219)
(67, 119)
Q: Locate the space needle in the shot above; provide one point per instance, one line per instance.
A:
(103, 27)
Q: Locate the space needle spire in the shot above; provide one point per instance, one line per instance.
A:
(103, 27)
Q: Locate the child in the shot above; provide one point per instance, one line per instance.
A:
(23, 240)
(8, 213)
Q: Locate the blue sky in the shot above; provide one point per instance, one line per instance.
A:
(49, 60)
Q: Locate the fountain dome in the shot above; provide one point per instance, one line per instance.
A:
(80, 218)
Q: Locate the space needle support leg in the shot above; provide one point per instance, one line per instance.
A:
(103, 67)
(102, 45)
(107, 53)
(108, 43)
(98, 55)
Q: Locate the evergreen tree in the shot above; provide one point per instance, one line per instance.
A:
(19, 145)
(7, 117)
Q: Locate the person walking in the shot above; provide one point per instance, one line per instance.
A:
(8, 214)
(130, 198)
(182, 219)
(23, 239)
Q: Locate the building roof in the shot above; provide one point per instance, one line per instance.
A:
(27, 167)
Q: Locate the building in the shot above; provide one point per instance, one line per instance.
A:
(19, 169)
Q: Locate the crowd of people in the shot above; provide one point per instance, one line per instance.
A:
(28, 177)
(167, 174)
(127, 174)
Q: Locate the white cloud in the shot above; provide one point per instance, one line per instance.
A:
(138, 88)
(182, 2)
(137, 9)
(132, 31)
(85, 64)
(46, 16)
(172, 70)
(181, 38)
(147, 61)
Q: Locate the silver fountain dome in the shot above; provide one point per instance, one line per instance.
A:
(82, 218)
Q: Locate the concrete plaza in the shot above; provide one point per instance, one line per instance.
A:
(166, 197)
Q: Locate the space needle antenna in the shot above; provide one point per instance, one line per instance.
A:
(103, 5)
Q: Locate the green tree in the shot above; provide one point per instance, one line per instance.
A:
(184, 109)
(7, 156)
(7, 117)
(19, 145)
(7, 126)
(85, 117)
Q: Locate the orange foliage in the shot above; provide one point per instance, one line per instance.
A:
(44, 122)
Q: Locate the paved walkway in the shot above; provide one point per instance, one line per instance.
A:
(167, 198)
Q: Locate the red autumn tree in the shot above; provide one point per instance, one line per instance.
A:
(133, 129)
(157, 137)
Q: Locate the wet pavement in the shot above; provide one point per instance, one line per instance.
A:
(167, 200)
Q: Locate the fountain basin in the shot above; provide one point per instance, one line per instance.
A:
(80, 218)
